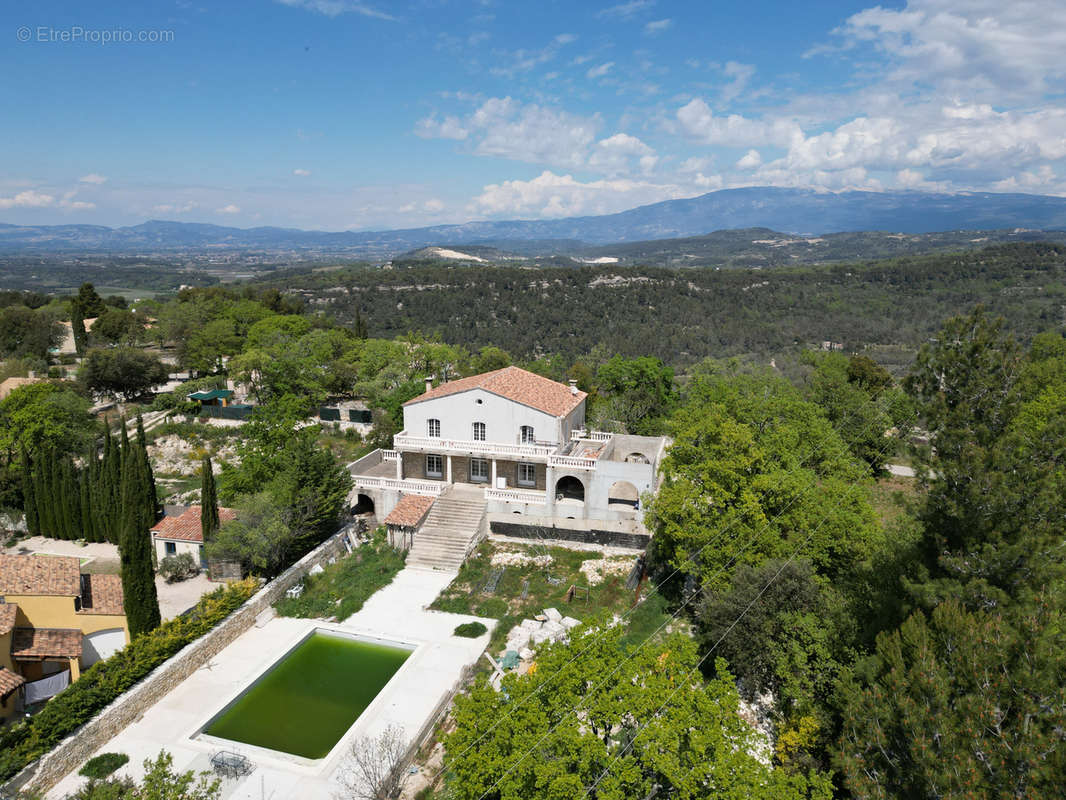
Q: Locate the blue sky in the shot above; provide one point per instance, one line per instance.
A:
(332, 114)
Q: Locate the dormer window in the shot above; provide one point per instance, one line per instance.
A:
(526, 434)
(433, 428)
(479, 431)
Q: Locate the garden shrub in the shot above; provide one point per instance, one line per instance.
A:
(470, 630)
(103, 765)
(178, 568)
(105, 680)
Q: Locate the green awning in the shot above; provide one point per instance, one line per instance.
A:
(214, 394)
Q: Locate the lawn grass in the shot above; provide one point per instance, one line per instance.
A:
(465, 596)
(341, 588)
(892, 497)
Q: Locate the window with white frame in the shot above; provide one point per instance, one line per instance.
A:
(526, 434)
(433, 428)
(434, 466)
(527, 475)
(479, 431)
(479, 470)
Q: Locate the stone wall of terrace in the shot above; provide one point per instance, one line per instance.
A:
(73, 751)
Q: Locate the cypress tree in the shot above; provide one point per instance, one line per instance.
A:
(111, 479)
(151, 498)
(55, 495)
(85, 493)
(209, 522)
(71, 501)
(44, 506)
(138, 578)
(29, 494)
(77, 326)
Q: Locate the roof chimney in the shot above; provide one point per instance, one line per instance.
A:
(573, 386)
(429, 382)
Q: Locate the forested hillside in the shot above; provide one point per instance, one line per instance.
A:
(683, 317)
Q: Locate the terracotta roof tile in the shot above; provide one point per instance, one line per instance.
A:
(186, 526)
(516, 384)
(410, 511)
(101, 594)
(36, 643)
(9, 682)
(46, 575)
(8, 612)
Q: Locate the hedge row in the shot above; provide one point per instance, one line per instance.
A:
(100, 684)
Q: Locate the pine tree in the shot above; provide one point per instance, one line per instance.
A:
(209, 522)
(135, 549)
(29, 495)
(77, 325)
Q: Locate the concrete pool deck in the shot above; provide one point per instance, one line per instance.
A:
(397, 612)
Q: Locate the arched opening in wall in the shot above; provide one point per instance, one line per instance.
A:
(363, 505)
(637, 458)
(623, 496)
(570, 488)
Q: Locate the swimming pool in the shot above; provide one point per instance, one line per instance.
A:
(311, 696)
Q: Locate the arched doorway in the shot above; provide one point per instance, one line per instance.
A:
(570, 488)
(364, 504)
(637, 458)
(623, 495)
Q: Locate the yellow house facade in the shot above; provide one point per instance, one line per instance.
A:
(54, 622)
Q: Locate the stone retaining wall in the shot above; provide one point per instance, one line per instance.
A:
(80, 745)
(633, 541)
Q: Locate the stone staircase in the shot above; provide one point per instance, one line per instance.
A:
(450, 530)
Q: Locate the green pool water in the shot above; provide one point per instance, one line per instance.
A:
(306, 702)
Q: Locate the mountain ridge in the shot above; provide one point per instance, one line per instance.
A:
(793, 211)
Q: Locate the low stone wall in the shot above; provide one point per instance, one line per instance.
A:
(79, 746)
(633, 541)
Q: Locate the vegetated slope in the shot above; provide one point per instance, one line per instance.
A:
(762, 247)
(684, 316)
(782, 209)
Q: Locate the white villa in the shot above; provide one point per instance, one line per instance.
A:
(514, 443)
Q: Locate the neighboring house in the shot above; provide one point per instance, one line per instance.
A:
(54, 622)
(8, 385)
(521, 437)
(172, 536)
(66, 347)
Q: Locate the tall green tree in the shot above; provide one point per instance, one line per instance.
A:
(960, 705)
(135, 549)
(209, 521)
(29, 494)
(619, 728)
(77, 327)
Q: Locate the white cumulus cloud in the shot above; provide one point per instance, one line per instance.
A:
(551, 195)
(27, 199)
(301, 173)
(229, 209)
(92, 177)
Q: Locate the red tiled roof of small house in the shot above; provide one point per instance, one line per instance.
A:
(410, 511)
(186, 527)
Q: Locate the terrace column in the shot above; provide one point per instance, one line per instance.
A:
(549, 488)
(448, 474)
(493, 484)
(399, 468)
